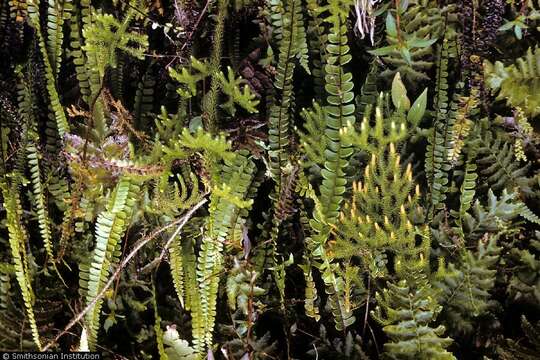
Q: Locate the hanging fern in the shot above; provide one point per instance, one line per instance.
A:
(225, 203)
(280, 113)
(57, 109)
(57, 13)
(110, 227)
(437, 165)
(17, 243)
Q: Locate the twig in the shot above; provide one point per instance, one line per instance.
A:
(180, 222)
(195, 26)
(168, 244)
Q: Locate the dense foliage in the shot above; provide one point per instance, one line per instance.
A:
(281, 179)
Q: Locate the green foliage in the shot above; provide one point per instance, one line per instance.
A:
(406, 311)
(225, 205)
(496, 158)
(177, 349)
(110, 227)
(17, 241)
(106, 36)
(231, 179)
(231, 87)
(518, 83)
(292, 32)
(229, 84)
(410, 35)
(465, 288)
(376, 219)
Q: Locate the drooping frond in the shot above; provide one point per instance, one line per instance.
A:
(17, 243)
(110, 227)
(227, 199)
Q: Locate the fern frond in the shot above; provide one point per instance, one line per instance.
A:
(76, 53)
(144, 99)
(17, 243)
(220, 222)
(339, 113)
(465, 287)
(317, 47)
(499, 211)
(242, 96)
(57, 13)
(425, 20)
(436, 164)
(496, 160)
(314, 140)
(39, 192)
(406, 310)
(468, 190)
(528, 214)
(57, 109)
(462, 125)
(280, 112)
(110, 227)
(106, 35)
(518, 83)
(310, 301)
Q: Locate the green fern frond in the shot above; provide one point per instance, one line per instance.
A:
(528, 214)
(310, 301)
(106, 36)
(406, 310)
(57, 109)
(421, 22)
(518, 83)
(243, 97)
(76, 53)
(57, 13)
(111, 225)
(241, 288)
(339, 113)
(499, 211)
(17, 243)
(42, 211)
(468, 191)
(222, 219)
(465, 287)
(496, 161)
(144, 99)
(313, 140)
(188, 79)
(436, 164)
(281, 110)
(317, 39)
(462, 125)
